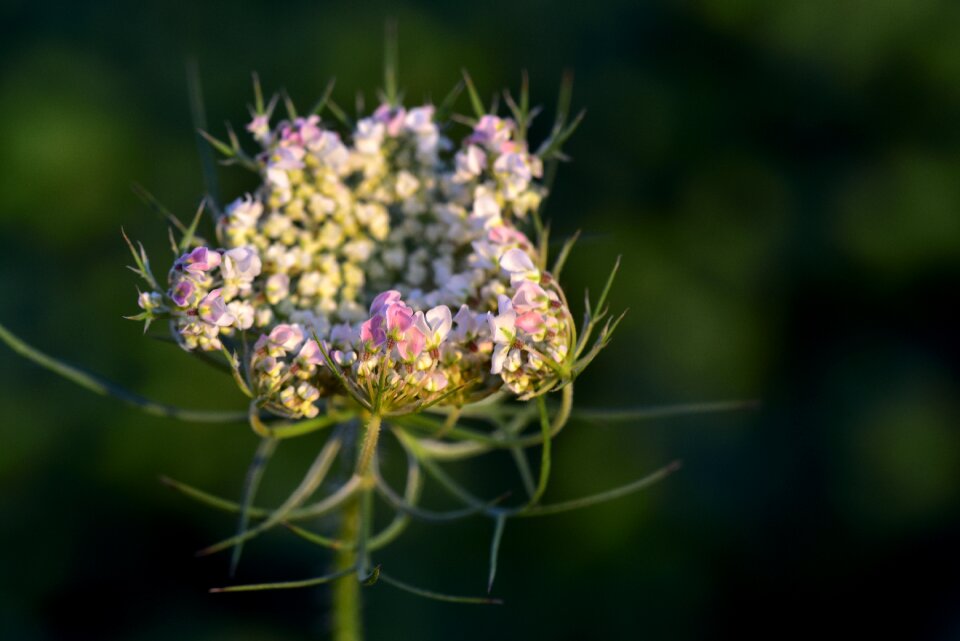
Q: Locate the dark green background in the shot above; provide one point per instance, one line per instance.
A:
(783, 181)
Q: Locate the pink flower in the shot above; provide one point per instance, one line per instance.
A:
(391, 117)
(287, 159)
(383, 300)
(200, 260)
(310, 353)
(241, 263)
(504, 235)
(519, 265)
(515, 172)
(213, 310)
(434, 325)
(309, 129)
(530, 322)
(468, 324)
(260, 128)
(182, 294)
(491, 131)
(503, 328)
(399, 318)
(245, 211)
(371, 331)
(287, 337)
(529, 297)
(434, 381)
(392, 319)
(470, 163)
(420, 120)
(342, 335)
(503, 324)
(411, 344)
(277, 288)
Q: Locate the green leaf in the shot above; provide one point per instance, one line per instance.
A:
(475, 101)
(321, 104)
(339, 114)
(257, 94)
(606, 288)
(217, 144)
(154, 205)
(390, 58)
(288, 104)
(564, 254)
(445, 108)
(103, 387)
(143, 263)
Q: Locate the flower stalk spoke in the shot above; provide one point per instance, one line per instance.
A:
(311, 481)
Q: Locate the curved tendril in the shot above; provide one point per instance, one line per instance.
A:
(330, 503)
(437, 596)
(501, 521)
(284, 430)
(601, 497)
(494, 440)
(411, 494)
(443, 451)
(311, 481)
(545, 453)
(664, 411)
(523, 469)
(318, 539)
(250, 485)
(286, 585)
(102, 387)
(220, 503)
(402, 505)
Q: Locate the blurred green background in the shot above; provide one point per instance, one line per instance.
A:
(783, 181)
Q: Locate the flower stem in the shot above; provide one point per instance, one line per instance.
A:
(369, 444)
(347, 622)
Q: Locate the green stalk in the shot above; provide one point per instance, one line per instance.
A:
(347, 622)
(369, 444)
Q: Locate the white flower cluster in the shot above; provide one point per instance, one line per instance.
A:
(369, 244)
(208, 295)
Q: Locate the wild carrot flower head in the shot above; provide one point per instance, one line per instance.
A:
(401, 250)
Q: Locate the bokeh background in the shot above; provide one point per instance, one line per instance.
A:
(783, 181)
